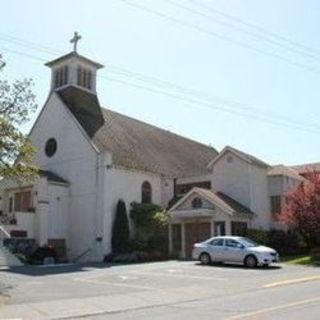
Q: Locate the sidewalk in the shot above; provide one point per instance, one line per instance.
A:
(69, 308)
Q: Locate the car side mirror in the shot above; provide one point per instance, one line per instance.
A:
(240, 246)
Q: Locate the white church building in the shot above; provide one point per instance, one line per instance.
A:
(90, 157)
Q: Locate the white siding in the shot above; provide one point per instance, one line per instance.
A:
(260, 203)
(232, 178)
(125, 185)
(246, 183)
(58, 211)
(75, 161)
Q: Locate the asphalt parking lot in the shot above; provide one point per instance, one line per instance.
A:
(164, 290)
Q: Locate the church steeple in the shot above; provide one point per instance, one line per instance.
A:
(74, 69)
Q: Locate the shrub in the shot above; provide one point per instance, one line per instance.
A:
(135, 257)
(151, 227)
(120, 230)
(284, 242)
(259, 236)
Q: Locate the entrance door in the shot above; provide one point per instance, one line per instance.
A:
(219, 228)
(196, 232)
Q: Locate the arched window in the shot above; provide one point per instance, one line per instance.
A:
(146, 192)
(196, 203)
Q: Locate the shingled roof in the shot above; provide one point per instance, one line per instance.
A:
(306, 168)
(250, 158)
(220, 199)
(53, 177)
(244, 156)
(281, 170)
(135, 144)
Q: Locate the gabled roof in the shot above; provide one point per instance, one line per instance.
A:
(281, 170)
(51, 176)
(219, 199)
(73, 54)
(306, 168)
(135, 144)
(244, 156)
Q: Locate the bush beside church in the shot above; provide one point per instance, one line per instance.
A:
(149, 238)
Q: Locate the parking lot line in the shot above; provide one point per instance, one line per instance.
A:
(273, 309)
(291, 281)
(175, 275)
(117, 284)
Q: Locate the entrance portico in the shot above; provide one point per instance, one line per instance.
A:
(202, 214)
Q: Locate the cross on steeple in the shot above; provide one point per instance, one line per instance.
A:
(74, 40)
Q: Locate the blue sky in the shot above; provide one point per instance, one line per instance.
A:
(197, 57)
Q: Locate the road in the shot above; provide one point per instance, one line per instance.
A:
(164, 290)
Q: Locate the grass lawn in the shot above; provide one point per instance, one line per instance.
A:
(306, 260)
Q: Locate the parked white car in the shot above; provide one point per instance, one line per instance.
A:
(230, 249)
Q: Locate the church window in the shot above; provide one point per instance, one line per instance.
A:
(146, 192)
(89, 79)
(57, 78)
(51, 147)
(275, 205)
(65, 74)
(196, 203)
(61, 76)
(79, 72)
(84, 77)
(22, 201)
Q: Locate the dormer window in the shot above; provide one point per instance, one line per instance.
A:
(84, 77)
(61, 76)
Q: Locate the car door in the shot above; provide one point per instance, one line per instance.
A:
(215, 249)
(233, 251)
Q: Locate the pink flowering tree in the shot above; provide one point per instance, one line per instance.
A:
(302, 210)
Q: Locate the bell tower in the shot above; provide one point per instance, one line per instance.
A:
(74, 69)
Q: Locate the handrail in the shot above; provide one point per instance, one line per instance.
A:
(81, 255)
(5, 232)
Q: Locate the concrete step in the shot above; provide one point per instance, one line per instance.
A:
(7, 259)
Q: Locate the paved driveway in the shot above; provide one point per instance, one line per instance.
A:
(165, 290)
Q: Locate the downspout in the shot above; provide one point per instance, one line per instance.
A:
(174, 187)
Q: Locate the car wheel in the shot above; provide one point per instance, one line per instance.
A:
(251, 261)
(205, 258)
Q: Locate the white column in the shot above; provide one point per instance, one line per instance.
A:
(170, 238)
(228, 227)
(183, 241)
(212, 227)
(42, 211)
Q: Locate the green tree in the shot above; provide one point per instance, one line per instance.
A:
(17, 103)
(120, 230)
(151, 227)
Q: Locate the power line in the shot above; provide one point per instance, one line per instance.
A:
(255, 27)
(254, 34)
(194, 97)
(261, 118)
(139, 76)
(28, 44)
(30, 56)
(221, 37)
(204, 96)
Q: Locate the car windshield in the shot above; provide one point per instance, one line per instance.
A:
(248, 242)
